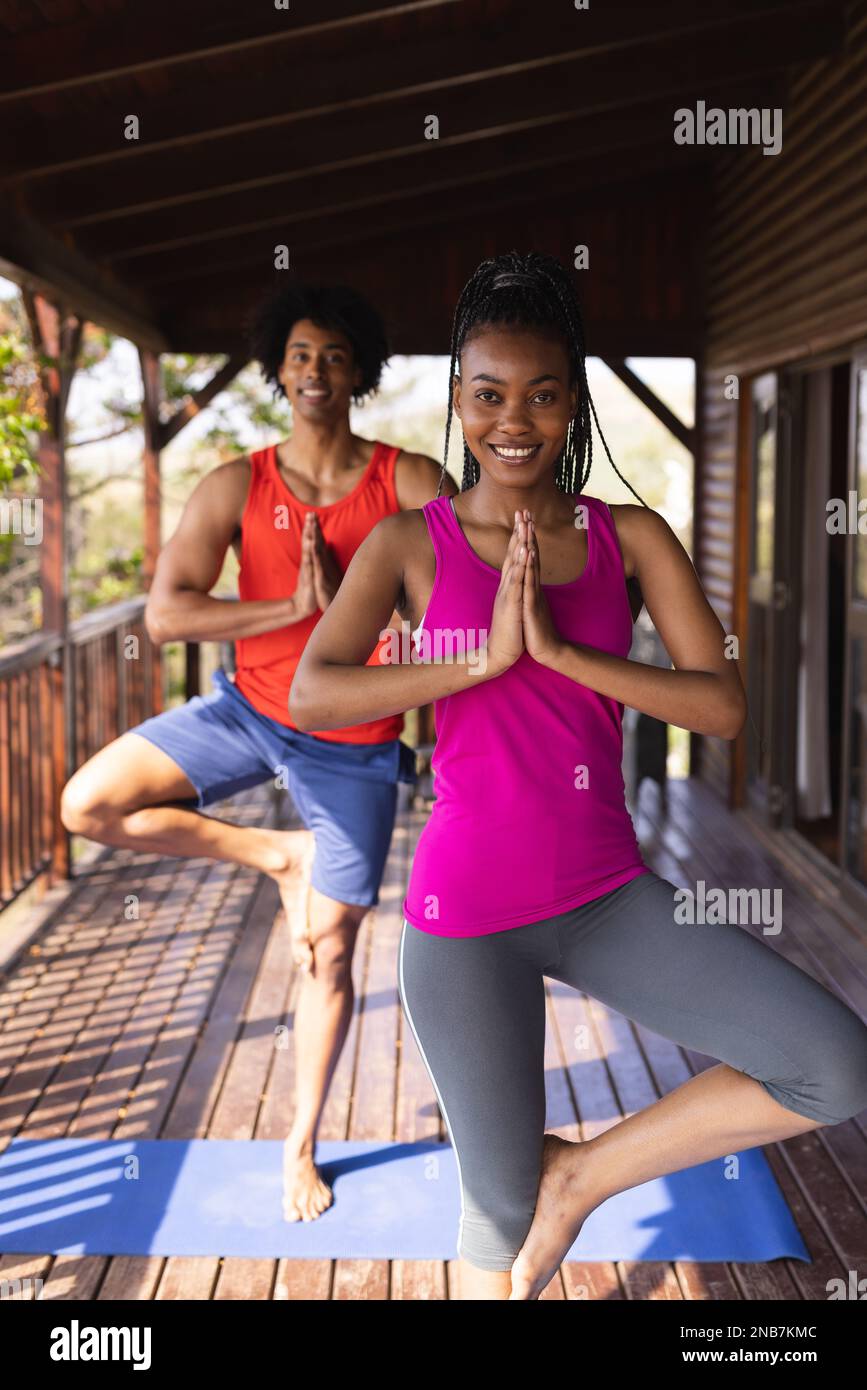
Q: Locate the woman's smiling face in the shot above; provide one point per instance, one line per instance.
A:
(515, 401)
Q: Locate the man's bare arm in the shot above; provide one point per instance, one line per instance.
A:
(179, 606)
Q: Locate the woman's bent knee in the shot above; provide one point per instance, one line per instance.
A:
(833, 1085)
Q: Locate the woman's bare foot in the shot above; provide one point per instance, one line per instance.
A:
(292, 880)
(306, 1195)
(560, 1214)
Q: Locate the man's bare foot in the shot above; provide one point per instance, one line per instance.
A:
(292, 880)
(305, 1193)
(560, 1214)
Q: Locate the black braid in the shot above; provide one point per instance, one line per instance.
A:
(531, 291)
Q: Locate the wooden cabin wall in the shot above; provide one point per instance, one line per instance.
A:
(785, 280)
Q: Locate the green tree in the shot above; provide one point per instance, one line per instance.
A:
(20, 413)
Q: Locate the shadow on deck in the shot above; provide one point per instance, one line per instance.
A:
(163, 1026)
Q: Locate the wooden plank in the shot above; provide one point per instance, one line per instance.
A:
(45, 265)
(374, 1070)
(151, 375)
(170, 951)
(32, 1002)
(167, 946)
(715, 522)
(818, 126)
(655, 846)
(287, 168)
(29, 850)
(7, 873)
(741, 578)
(239, 1109)
(42, 63)
(814, 937)
(213, 1090)
(840, 1215)
(148, 1043)
(767, 294)
(417, 1114)
(167, 1028)
(312, 221)
(13, 808)
(218, 916)
(770, 301)
(102, 47)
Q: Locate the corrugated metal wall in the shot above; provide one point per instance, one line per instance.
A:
(786, 279)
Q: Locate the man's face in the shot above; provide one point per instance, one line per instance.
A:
(319, 372)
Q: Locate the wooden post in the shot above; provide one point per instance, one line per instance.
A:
(740, 598)
(698, 480)
(56, 339)
(192, 670)
(152, 383)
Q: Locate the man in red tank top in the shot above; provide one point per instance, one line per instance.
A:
(294, 514)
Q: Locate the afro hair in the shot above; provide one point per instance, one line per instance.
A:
(328, 306)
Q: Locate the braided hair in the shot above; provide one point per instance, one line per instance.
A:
(531, 291)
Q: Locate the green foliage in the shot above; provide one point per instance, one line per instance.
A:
(243, 399)
(107, 578)
(20, 416)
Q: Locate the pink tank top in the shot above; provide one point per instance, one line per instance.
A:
(530, 815)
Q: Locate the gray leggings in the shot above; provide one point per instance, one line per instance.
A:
(476, 1007)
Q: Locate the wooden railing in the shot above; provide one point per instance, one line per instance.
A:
(60, 702)
(28, 774)
(112, 671)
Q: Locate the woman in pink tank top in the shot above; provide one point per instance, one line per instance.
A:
(516, 594)
(530, 815)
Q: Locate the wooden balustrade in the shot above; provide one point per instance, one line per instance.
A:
(59, 704)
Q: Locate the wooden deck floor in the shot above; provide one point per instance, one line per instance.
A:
(164, 1027)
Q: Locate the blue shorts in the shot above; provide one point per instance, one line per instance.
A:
(345, 793)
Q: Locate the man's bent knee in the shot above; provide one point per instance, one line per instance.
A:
(82, 810)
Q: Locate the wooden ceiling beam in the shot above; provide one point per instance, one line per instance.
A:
(415, 278)
(387, 146)
(429, 175)
(478, 110)
(42, 265)
(363, 82)
(684, 434)
(57, 57)
(178, 271)
(223, 377)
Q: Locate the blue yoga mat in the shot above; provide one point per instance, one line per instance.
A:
(392, 1201)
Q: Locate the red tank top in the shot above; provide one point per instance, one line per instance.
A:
(270, 555)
